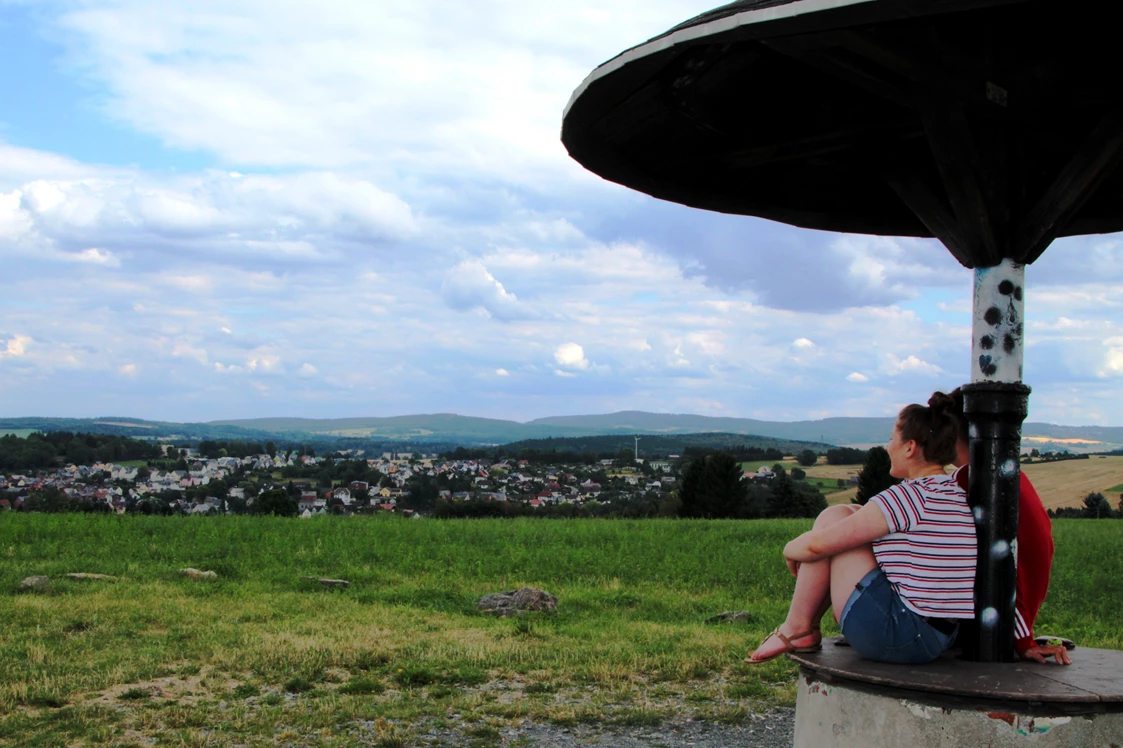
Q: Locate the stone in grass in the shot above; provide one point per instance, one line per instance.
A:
(196, 574)
(331, 584)
(518, 602)
(81, 576)
(36, 584)
(731, 616)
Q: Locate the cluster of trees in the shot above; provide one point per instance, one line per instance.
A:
(41, 451)
(874, 476)
(1035, 456)
(53, 501)
(1096, 506)
(713, 487)
(847, 456)
(346, 471)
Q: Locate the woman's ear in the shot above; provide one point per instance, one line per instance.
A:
(911, 448)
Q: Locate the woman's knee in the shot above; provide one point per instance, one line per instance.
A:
(836, 513)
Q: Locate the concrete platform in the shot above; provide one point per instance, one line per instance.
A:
(843, 700)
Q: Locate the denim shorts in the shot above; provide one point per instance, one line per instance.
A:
(878, 626)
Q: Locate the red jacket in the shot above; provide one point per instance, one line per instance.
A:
(1034, 558)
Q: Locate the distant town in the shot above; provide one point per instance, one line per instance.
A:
(340, 483)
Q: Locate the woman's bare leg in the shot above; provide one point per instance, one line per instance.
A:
(813, 592)
(847, 569)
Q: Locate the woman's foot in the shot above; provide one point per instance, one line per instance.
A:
(786, 639)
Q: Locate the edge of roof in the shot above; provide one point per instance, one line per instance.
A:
(720, 25)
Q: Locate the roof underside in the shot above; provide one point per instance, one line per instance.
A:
(855, 116)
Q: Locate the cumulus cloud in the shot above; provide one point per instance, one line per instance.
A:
(571, 356)
(96, 256)
(470, 89)
(469, 286)
(15, 346)
(1113, 358)
(910, 365)
(214, 214)
(377, 174)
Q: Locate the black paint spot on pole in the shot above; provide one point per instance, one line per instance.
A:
(986, 342)
(993, 316)
(1008, 343)
(1006, 287)
(1018, 293)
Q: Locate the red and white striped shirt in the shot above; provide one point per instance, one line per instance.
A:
(929, 554)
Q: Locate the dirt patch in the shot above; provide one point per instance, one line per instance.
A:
(185, 689)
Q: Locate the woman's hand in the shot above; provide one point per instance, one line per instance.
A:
(797, 552)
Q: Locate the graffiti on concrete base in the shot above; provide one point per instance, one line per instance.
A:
(1027, 726)
(814, 686)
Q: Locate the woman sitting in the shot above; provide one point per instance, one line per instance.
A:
(898, 572)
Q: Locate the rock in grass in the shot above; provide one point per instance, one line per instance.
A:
(83, 576)
(196, 574)
(731, 616)
(517, 602)
(36, 584)
(329, 583)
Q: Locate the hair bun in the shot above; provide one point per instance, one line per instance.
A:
(939, 403)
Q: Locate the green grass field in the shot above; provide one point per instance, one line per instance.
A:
(754, 465)
(259, 656)
(1116, 489)
(21, 433)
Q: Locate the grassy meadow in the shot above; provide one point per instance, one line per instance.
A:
(259, 656)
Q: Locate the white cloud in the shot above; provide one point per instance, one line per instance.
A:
(15, 346)
(380, 171)
(469, 285)
(1113, 358)
(127, 370)
(182, 349)
(461, 88)
(910, 365)
(571, 356)
(97, 256)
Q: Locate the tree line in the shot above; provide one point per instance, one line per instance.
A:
(44, 451)
(714, 487)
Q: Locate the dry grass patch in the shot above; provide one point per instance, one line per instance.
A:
(1067, 482)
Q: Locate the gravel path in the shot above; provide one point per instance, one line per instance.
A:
(772, 730)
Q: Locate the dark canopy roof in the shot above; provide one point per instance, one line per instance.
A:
(994, 125)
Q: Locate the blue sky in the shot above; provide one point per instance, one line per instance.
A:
(260, 209)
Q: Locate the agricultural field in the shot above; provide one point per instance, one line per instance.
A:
(1062, 483)
(1067, 482)
(21, 433)
(258, 656)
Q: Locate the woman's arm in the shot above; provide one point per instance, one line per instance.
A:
(860, 528)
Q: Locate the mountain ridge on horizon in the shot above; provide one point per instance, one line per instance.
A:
(467, 430)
